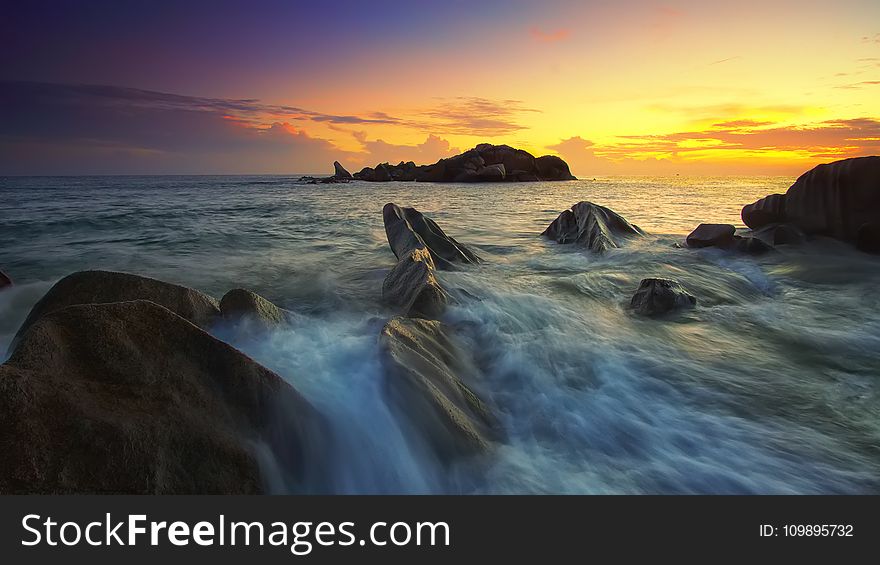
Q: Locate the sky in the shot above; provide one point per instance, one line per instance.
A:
(629, 87)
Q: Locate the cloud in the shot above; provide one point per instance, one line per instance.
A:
(871, 38)
(82, 129)
(433, 149)
(727, 60)
(554, 36)
(476, 116)
(858, 85)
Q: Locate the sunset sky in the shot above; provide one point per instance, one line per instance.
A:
(614, 87)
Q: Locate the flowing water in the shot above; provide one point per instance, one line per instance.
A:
(770, 385)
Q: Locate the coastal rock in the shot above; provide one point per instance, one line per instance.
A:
(659, 296)
(551, 167)
(712, 235)
(412, 286)
(595, 227)
(767, 210)
(483, 163)
(751, 245)
(408, 229)
(131, 398)
(868, 238)
(340, 172)
(427, 380)
(98, 287)
(5, 280)
(780, 234)
(836, 199)
(243, 305)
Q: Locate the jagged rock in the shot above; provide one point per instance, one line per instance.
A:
(240, 304)
(131, 398)
(712, 235)
(408, 229)
(428, 380)
(97, 287)
(595, 227)
(412, 286)
(767, 210)
(659, 296)
(339, 171)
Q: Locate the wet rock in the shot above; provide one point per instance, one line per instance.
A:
(868, 238)
(243, 305)
(712, 235)
(595, 227)
(5, 280)
(408, 229)
(98, 287)
(659, 296)
(551, 167)
(780, 234)
(767, 210)
(750, 245)
(428, 379)
(412, 286)
(129, 397)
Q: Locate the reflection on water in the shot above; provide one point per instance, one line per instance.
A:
(769, 385)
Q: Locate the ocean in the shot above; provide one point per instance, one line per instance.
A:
(770, 385)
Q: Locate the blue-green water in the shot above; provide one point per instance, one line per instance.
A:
(770, 385)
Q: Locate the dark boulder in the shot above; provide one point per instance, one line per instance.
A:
(780, 234)
(750, 245)
(595, 227)
(131, 398)
(98, 287)
(340, 172)
(868, 238)
(412, 286)
(767, 210)
(241, 305)
(408, 229)
(660, 296)
(712, 235)
(427, 380)
(5, 280)
(836, 199)
(551, 167)
(512, 159)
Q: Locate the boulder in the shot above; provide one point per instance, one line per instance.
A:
(412, 286)
(5, 280)
(595, 227)
(660, 296)
(712, 235)
(243, 305)
(780, 234)
(98, 287)
(868, 238)
(131, 398)
(340, 172)
(836, 199)
(551, 167)
(408, 229)
(767, 210)
(512, 159)
(751, 245)
(427, 378)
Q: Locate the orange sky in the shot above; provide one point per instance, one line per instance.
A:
(632, 87)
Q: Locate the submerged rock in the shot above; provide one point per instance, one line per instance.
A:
(595, 227)
(131, 398)
(750, 245)
(241, 304)
(5, 280)
(408, 229)
(712, 235)
(98, 287)
(427, 380)
(780, 234)
(412, 286)
(659, 296)
(483, 163)
(767, 210)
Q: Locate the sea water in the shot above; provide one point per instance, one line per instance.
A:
(770, 385)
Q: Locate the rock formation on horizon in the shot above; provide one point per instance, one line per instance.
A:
(483, 163)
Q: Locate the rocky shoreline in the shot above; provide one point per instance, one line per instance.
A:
(115, 383)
